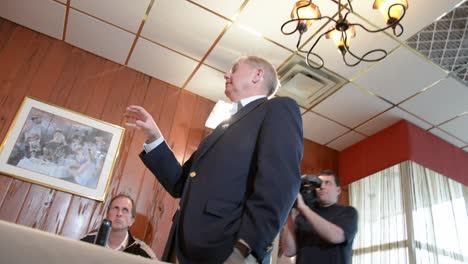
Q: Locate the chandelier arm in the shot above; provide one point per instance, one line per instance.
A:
(344, 35)
(298, 44)
(309, 61)
(329, 19)
(346, 15)
(309, 53)
(286, 23)
(401, 30)
(345, 50)
(363, 58)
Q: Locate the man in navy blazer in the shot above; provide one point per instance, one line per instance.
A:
(236, 190)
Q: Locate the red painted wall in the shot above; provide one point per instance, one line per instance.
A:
(400, 142)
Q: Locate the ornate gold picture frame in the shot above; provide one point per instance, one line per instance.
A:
(61, 149)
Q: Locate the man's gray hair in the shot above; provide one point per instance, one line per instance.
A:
(270, 76)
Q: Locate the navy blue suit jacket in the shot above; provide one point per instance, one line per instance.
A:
(239, 184)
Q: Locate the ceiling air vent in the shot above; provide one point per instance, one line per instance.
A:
(305, 85)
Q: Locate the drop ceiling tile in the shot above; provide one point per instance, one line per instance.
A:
(419, 14)
(44, 16)
(302, 110)
(443, 135)
(389, 118)
(161, 63)
(209, 83)
(457, 127)
(98, 37)
(320, 129)
(255, 13)
(359, 45)
(239, 41)
(442, 102)
(117, 12)
(351, 106)
(62, 1)
(167, 25)
(402, 74)
(346, 141)
(224, 8)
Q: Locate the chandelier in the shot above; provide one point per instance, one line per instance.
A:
(342, 31)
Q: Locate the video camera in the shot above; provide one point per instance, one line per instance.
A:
(309, 184)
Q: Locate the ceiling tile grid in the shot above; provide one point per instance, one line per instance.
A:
(226, 8)
(209, 83)
(457, 127)
(444, 101)
(161, 63)
(98, 37)
(167, 24)
(389, 118)
(239, 41)
(116, 12)
(320, 129)
(44, 16)
(401, 75)
(443, 135)
(346, 141)
(351, 106)
(178, 35)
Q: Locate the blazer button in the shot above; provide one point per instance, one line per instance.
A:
(193, 174)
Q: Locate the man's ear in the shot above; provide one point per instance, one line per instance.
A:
(339, 190)
(132, 220)
(258, 76)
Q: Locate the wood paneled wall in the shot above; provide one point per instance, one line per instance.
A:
(32, 64)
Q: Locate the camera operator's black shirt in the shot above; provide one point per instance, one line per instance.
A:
(312, 249)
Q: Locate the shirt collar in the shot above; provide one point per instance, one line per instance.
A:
(122, 245)
(243, 102)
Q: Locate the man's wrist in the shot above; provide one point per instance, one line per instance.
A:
(152, 145)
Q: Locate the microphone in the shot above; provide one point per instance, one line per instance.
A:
(103, 233)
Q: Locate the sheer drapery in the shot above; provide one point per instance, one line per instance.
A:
(439, 217)
(410, 214)
(381, 236)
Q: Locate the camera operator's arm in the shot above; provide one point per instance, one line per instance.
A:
(325, 229)
(288, 237)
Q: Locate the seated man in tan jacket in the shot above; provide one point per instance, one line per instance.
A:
(122, 212)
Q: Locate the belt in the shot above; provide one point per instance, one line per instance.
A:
(243, 249)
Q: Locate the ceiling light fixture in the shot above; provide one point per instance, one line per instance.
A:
(305, 13)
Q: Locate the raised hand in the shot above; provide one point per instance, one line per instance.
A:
(138, 118)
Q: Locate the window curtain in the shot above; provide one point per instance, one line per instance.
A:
(410, 214)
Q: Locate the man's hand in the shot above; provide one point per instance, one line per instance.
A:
(300, 204)
(140, 119)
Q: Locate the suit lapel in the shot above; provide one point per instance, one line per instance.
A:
(206, 144)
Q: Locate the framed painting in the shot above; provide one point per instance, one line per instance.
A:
(61, 149)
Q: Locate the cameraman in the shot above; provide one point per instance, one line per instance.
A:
(321, 232)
